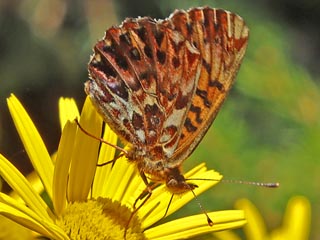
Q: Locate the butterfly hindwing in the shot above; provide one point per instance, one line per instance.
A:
(221, 38)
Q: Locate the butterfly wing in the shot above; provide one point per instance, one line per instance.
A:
(221, 38)
(142, 78)
(160, 84)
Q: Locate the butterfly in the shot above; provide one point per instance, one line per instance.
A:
(159, 85)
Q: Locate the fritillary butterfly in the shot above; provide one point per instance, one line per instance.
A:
(159, 84)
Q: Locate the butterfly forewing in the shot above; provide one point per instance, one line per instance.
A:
(143, 76)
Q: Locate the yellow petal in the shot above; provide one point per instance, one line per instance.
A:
(61, 170)
(119, 179)
(255, 228)
(298, 217)
(84, 159)
(32, 142)
(21, 214)
(35, 182)
(20, 185)
(68, 110)
(226, 235)
(296, 222)
(196, 225)
(10, 230)
(129, 184)
(100, 184)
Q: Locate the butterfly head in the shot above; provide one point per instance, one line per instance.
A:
(176, 182)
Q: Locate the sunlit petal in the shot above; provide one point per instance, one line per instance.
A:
(21, 186)
(191, 226)
(61, 171)
(68, 110)
(32, 142)
(84, 159)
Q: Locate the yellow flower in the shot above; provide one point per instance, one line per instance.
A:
(90, 202)
(296, 222)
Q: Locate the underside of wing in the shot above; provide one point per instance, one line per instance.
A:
(221, 38)
(142, 79)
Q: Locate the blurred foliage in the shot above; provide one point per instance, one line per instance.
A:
(267, 130)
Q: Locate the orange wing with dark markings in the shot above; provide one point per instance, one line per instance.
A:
(221, 37)
(159, 84)
(143, 75)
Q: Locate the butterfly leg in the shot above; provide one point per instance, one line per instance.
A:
(111, 161)
(145, 195)
(124, 152)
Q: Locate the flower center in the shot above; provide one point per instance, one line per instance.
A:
(100, 219)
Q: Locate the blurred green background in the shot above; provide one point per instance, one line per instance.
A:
(267, 131)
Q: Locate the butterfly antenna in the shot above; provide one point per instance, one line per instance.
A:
(100, 139)
(260, 184)
(210, 222)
